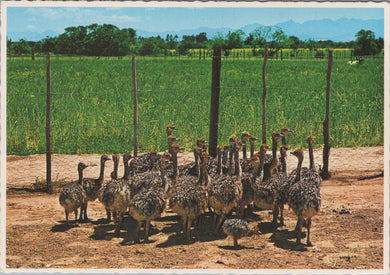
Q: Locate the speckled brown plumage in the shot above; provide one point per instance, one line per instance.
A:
(309, 174)
(192, 168)
(225, 191)
(171, 140)
(116, 195)
(146, 206)
(215, 165)
(304, 198)
(237, 228)
(270, 167)
(147, 162)
(92, 186)
(248, 194)
(189, 200)
(270, 193)
(73, 195)
(263, 197)
(246, 164)
(147, 179)
(268, 196)
(114, 176)
(149, 202)
(247, 179)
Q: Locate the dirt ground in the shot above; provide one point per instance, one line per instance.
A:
(348, 233)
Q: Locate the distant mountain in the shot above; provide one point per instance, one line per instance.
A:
(31, 36)
(211, 32)
(341, 30)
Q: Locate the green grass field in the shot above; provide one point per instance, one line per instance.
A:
(92, 105)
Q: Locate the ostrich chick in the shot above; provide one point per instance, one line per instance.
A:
(236, 228)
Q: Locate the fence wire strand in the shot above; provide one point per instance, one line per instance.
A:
(120, 129)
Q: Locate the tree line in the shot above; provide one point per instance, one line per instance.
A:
(109, 40)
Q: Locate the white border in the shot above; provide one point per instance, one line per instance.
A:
(386, 233)
(385, 5)
(208, 4)
(3, 135)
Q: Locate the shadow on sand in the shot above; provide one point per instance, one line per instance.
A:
(285, 239)
(63, 227)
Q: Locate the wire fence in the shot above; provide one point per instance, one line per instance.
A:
(228, 54)
(92, 103)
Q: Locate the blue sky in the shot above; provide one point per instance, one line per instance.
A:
(158, 19)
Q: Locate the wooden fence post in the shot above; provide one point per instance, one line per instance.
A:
(325, 155)
(48, 128)
(135, 102)
(264, 131)
(214, 104)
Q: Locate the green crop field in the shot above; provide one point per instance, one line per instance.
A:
(92, 103)
(247, 53)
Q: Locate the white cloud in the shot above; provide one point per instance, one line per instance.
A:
(50, 13)
(59, 18)
(89, 16)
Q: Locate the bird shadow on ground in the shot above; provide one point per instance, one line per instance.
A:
(170, 218)
(172, 227)
(63, 227)
(207, 236)
(176, 239)
(130, 240)
(285, 239)
(101, 221)
(266, 227)
(231, 247)
(250, 215)
(103, 232)
(14, 190)
(131, 232)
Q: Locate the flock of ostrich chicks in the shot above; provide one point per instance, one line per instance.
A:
(218, 185)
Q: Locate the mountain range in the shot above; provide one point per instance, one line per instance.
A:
(341, 30)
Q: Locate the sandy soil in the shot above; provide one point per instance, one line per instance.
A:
(348, 233)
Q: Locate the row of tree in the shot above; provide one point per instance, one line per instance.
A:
(108, 40)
